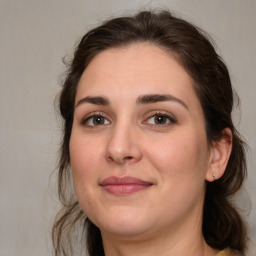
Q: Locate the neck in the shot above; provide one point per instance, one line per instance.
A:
(184, 238)
(160, 246)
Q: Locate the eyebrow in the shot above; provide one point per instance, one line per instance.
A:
(153, 98)
(145, 99)
(98, 100)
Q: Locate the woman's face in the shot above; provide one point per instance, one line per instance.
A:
(138, 147)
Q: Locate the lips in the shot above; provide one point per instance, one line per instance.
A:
(124, 185)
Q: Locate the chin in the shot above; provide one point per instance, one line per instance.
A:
(123, 221)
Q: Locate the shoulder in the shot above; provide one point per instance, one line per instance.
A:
(229, 252)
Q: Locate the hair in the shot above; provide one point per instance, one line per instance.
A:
(222, 225)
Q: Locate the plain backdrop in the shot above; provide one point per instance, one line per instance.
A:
(34, 36)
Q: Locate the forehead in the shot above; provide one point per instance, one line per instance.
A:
(139, 69)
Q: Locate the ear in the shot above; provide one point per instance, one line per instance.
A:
(219, 156)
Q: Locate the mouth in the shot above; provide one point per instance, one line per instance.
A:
(124, 185)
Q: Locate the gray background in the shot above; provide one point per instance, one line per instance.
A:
(34, 36)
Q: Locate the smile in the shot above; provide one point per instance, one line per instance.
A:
(124, 185)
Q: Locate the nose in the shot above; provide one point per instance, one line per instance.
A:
(123, 145)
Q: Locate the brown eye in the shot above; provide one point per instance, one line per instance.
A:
(95, 120)
(160, 119)
(98, 120)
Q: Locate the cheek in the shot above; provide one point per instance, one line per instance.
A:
(180, 158)
(182, 167)
(84, 159)
(85, 152)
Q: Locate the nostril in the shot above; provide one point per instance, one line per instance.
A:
(110, 158)
(120, 160)
(128, 158)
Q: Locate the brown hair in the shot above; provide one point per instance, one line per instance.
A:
(222, 225)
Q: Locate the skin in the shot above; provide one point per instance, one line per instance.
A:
(173, 155)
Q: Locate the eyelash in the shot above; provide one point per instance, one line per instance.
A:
(86, 120)
(170, 120)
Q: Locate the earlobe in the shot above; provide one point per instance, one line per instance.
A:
(219, 156)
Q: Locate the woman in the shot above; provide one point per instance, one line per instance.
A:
(148, 134)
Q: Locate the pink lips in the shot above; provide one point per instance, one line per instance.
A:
(124, 185)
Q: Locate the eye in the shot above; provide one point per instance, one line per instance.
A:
(160, 119)
(95, 120)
